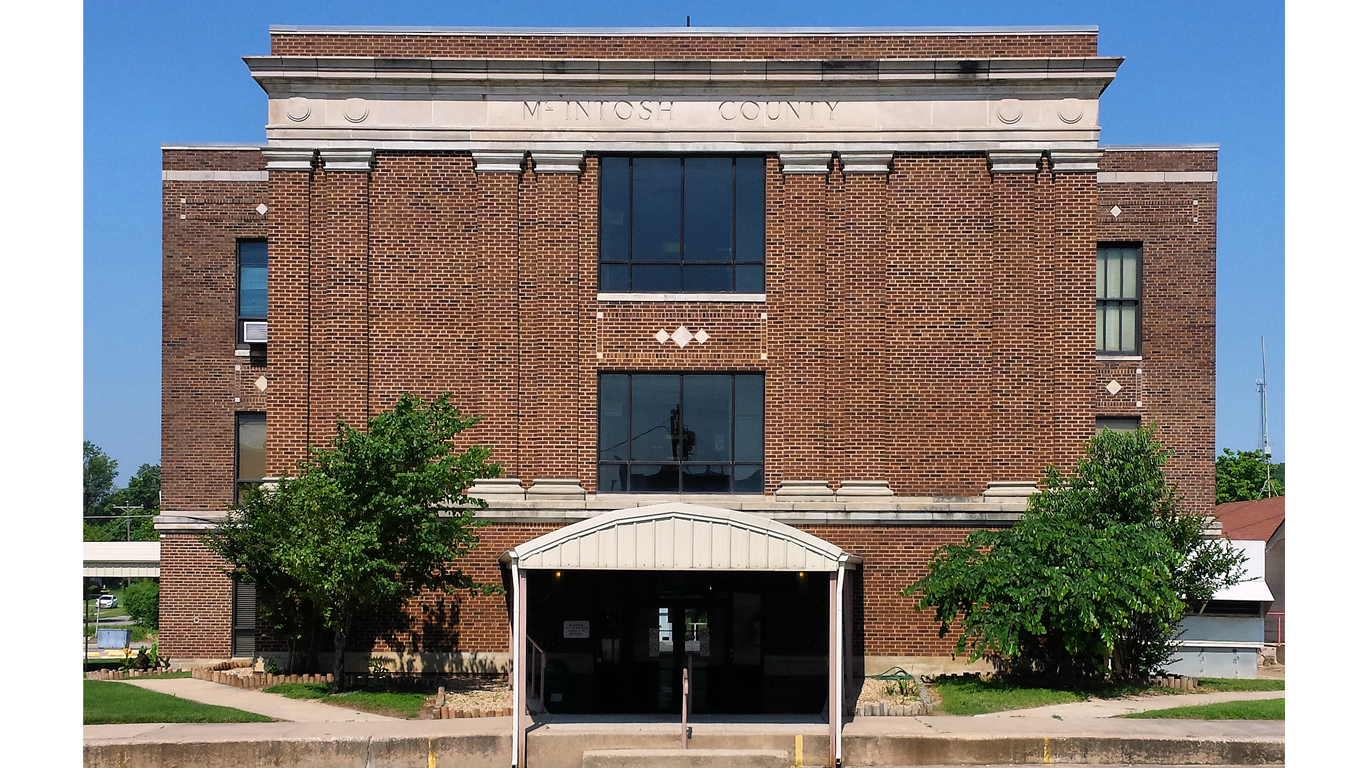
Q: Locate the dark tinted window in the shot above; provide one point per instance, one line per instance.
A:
(682, 224)
(251, 279)
(672, 433)
(251, 448)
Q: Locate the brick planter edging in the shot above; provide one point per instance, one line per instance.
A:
(256, 681)
(446, 713)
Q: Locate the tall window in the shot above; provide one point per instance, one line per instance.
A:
(251, 450)
(251, 283)
(682, 224)
(1119, 270)
(688, 433)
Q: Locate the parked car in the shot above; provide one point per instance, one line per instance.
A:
(107, 601)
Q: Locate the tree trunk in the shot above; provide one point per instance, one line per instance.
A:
(338, 655)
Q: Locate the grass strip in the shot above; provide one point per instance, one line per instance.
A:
(115, 702)
(368, 698)
(1262, 709)
(977, 697)
(1239, 684)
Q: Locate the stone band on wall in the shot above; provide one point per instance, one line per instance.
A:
(805, 162)
(498, 160)
(550, 161)
(347, 159)
(1014, 160)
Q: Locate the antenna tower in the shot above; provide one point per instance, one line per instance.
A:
(1268, 488)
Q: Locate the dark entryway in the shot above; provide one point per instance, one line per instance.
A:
(616, 642)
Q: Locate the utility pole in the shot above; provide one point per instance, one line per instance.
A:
(128, 520)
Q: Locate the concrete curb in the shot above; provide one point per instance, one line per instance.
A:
(566, 751)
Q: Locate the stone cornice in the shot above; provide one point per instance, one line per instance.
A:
(288, 159)
(347, 159)
(1075, 160)
(1014, 160)
(865, 162)
(553, 161)
(377, 73)
(498, 160)
(805, 162)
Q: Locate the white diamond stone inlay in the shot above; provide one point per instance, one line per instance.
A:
(681, 337)
(702, 336)
(261, 383)
(1113, 387)
(261, 209)
(1116, 211)
(662, 336)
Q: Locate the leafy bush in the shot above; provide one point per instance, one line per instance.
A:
(142, 599)
(1093, 577)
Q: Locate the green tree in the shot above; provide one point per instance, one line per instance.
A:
(98, 471)
(375, 518)
(142, 599)
(143, 490)
(1241, 476)
(1100, 567)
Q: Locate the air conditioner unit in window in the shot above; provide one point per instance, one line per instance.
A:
(254, 332)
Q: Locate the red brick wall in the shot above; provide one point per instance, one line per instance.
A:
(196, 600)
(684, 47)
(202, 384)
(1176, 385)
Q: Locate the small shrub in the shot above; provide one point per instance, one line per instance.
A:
(143, 602)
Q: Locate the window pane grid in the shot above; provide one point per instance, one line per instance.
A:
(712, 242)
(1118, 286)
(691, 447)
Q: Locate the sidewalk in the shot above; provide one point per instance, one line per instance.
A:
(268, 704)
(1096, 708)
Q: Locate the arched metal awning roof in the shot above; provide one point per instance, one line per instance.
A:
(678, 537)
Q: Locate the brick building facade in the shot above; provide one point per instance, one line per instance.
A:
(935, 205)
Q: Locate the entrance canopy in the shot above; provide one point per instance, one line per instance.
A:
(675, 537)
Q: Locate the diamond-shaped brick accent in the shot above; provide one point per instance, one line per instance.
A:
(1113, 387)
(261, 209)
(1116, 211)
(261, 383)
(702, 336)
(681, 337)
(662, 336)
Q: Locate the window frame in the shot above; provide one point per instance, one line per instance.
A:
(732, 463)
(1136, 302)
(237, 309)
(1137, 422)
(237, 481)
(732, 263)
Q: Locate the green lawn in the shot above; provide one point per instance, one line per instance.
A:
(112, 702)
(1263, 709)
(1240, 684)
(370, 698)
(976, 697)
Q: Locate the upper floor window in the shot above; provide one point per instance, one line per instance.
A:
(682, 225)
(672, 433)
(251, 283)
(1119, 271)
(251, 450)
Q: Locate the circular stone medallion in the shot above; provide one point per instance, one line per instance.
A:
(1009, 111)
(1070, 111)
(355, 110)
(297, 109)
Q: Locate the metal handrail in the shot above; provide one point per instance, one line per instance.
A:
(537, 681)
(1280, 636)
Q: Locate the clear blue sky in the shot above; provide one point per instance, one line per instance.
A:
(159, 72)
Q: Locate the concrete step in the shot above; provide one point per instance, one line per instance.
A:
(685, 758)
